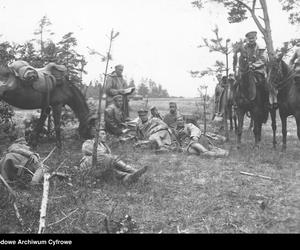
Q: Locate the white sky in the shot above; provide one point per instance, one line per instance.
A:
(158, 38)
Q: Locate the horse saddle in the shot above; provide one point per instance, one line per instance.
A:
(41, 79)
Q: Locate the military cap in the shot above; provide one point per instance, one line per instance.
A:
(251, 33)
(152, 107)
(174, 103)
(119, 66)
(142, 111)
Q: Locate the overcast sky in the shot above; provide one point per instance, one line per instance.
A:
(158, 38)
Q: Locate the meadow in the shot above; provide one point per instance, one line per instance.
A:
(179, 194)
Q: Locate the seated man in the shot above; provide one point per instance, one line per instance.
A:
(154, 130)
(171, 118)
(114, 117)
(19, 162)
(106, 161)
(193, 142)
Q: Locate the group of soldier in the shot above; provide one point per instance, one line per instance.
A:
(161, 132)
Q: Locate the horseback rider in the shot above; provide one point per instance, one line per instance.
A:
(253, 57)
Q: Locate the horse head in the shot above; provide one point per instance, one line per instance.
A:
(85, 129)
(7, 80)
(278, 72)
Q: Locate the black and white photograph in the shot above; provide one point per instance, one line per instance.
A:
(148, 117)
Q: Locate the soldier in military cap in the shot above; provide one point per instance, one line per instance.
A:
(107, 162)
(254, 57)
(154, 130)
(171, 117)
(116, 85)
(114, 117)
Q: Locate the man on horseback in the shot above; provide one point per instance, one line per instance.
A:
(253, 57)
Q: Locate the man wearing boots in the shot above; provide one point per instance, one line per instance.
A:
(254, 57)
(154, 130)
(193, 142)
(107, 162)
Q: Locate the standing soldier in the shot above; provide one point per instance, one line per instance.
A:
(116, 85)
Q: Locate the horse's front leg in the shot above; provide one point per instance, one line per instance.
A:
(57, 121)
(283, 118)
(230, 117)
(274, 127)
(226, 125)
(38, 129)
(240, 114)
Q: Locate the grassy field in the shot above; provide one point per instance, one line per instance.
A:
(179, 194)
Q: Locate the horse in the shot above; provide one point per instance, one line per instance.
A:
(22, 94)
(287, 83)
(251, 96)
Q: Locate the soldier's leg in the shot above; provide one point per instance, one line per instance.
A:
(165, 137)
(155, 138)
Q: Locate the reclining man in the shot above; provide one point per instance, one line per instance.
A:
(20, 162)
(193, 142)
(107, 162)
(154, 130)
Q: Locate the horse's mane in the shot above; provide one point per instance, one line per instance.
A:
(76, 91)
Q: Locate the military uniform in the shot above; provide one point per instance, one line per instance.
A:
(255, 56)
(107, 162)
(190, 134)
(171, 119)
(18, 155)
(154, 130)
(114, 117)
(114, 84)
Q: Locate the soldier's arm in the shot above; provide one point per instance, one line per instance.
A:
(261, 59)
(110, 91)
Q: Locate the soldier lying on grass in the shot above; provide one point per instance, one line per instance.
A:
(193, 142)
(107, 162)
(153, 130)
(20, 163)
